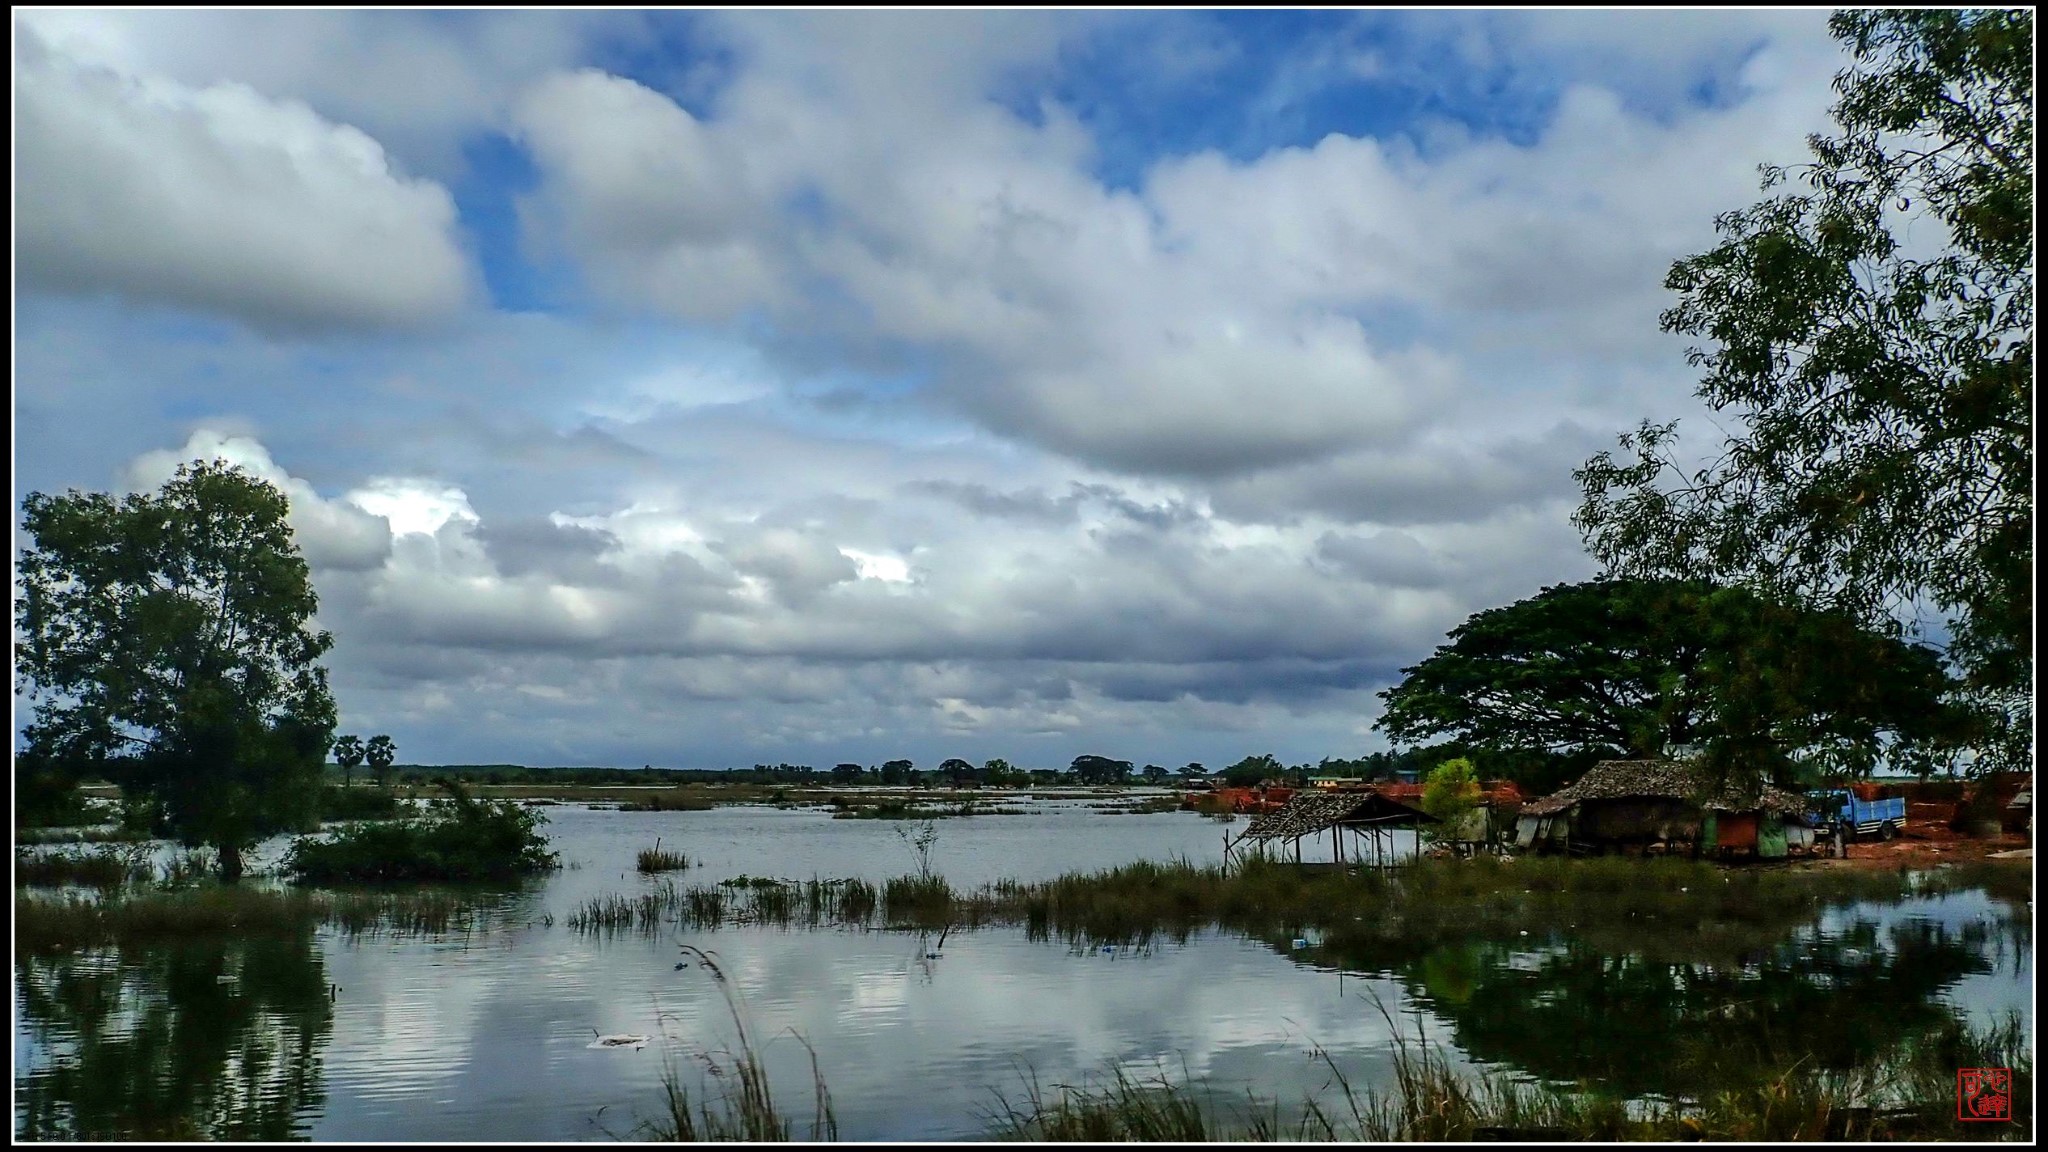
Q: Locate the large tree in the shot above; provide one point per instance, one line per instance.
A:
(1638, 667)
(1869, 327)
(1091, 769)
(164, 640)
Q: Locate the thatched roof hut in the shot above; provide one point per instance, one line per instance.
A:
(1657, 804)
(1664, 780)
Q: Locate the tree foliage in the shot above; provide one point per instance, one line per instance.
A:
(1638, 667)
(1451, 791)
(1253, 770)
(1870, 325)
(164, 640)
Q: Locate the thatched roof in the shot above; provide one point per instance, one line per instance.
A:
(1663, 779)
(1308, 813)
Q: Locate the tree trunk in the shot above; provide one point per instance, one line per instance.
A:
(230, 864)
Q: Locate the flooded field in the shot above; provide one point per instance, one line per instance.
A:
(491, 1033)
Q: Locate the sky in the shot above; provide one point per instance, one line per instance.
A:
(702, 389)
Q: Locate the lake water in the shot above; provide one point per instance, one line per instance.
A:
(488, 1036)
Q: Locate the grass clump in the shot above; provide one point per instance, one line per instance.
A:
(651, 860)
(462, 840)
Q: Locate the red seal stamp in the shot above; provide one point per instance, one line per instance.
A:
(1984, 1094)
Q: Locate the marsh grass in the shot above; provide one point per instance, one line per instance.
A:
(103, 868)
(1361, 917)
(653, 859)
(44, 924)
(644, 912)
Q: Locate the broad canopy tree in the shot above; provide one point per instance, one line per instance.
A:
(1638, 668)
(164, 641)
(1090, 769)
(1870, 338)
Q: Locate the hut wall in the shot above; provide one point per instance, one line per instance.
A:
(1636, 819)
(1738, 831)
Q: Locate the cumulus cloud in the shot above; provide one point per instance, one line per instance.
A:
(894, 423)
(220, 199)
(1224, 318)
(333, 534)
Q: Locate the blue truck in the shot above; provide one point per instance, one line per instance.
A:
(1839, 806)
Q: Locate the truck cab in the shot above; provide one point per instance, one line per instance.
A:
(1829, 808)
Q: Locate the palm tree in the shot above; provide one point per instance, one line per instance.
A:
(381, 753)
(348, 752)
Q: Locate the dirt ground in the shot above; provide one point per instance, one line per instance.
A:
(1926, 842)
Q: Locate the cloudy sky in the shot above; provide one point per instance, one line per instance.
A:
(699, 389)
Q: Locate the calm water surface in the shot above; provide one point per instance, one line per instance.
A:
(488, 1036)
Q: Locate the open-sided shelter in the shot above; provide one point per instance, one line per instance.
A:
(1367, 818)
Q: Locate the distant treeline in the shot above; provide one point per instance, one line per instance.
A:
(1542, 771)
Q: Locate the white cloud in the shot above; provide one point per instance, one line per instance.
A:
(219, 198)
(331, 534)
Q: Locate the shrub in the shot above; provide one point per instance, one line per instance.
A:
(463, 839)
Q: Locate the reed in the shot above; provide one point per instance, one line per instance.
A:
(746, 1108)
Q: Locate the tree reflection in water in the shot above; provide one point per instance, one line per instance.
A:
(213, 1040)
(1651, 1023)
